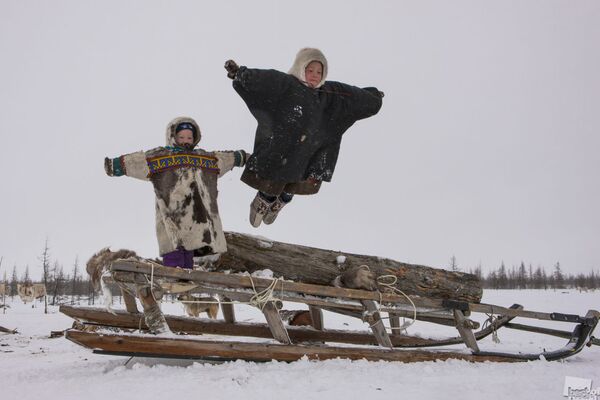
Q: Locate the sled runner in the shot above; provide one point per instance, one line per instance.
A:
(126, 332)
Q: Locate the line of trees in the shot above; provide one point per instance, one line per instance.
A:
(58, 284)
(61, 286)
(527, 277)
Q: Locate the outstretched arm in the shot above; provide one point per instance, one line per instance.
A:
(133, 165)
(257, 86)
(356, 103)
(229, 159)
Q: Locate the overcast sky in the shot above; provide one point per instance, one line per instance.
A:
(486, 147)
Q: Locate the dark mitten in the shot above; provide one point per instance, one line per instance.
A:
(232, 68)
(115, 166)
(108, 166)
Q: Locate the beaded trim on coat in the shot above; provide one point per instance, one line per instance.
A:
(162, 163)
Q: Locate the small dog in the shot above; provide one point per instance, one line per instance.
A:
(195, 305)
(296, 317)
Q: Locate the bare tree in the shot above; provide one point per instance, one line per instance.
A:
(559, 279)
(45, 259)
(5, 283)
(502, 277)
(26, 278)
(59, 282)
(453, 265)
(478, 272)
(538, 278)
(75, 280)
(592, 280)
(522, 276)
(14, 281)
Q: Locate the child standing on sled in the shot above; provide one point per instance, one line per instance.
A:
(301, 119)
(185, 184)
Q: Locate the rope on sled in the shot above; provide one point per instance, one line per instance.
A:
(151, 281)
(265, 296)
(390, 284)
(258, 299)
(394, 279)
(491, 321)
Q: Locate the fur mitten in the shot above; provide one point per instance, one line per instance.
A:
(232, 68)
(108, 167)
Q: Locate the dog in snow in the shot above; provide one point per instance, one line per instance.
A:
(195, 305)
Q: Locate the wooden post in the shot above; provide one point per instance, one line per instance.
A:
(275, 323)
(377, 326)
(130, 304)
(316, 314)
(227, 310)
(465, 331)
(395, 324)
(154, 318)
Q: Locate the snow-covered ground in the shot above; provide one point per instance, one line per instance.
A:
(32, 365)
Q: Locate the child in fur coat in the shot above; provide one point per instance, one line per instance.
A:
(301, 119)
(185, 184)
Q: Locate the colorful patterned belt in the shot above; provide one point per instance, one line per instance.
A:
(162, 163)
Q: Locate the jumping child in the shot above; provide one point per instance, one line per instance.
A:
(301, 119)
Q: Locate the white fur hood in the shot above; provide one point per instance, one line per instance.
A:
(304, 57)
(170, 133)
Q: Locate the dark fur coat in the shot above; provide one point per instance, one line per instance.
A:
(299, 128)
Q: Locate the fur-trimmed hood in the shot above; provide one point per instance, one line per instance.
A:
(304, 57)
(170, 133)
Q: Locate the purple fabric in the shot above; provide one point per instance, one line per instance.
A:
(179, 258)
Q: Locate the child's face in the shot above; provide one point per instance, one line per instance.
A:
(184, 137)
(313, 73)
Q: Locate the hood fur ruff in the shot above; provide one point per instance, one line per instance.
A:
(304, 57)
(170, 134)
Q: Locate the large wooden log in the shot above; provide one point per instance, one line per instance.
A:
(320, 266)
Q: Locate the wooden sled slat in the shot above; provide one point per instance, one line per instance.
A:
(131, 345)
(241, 281)
(138, 269)
(298, 334)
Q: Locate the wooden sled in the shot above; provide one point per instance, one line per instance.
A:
(5, 330)
(295, 342)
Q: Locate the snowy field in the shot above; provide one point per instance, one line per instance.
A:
(36, 366)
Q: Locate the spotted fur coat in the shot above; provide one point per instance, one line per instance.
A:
(185, 184)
